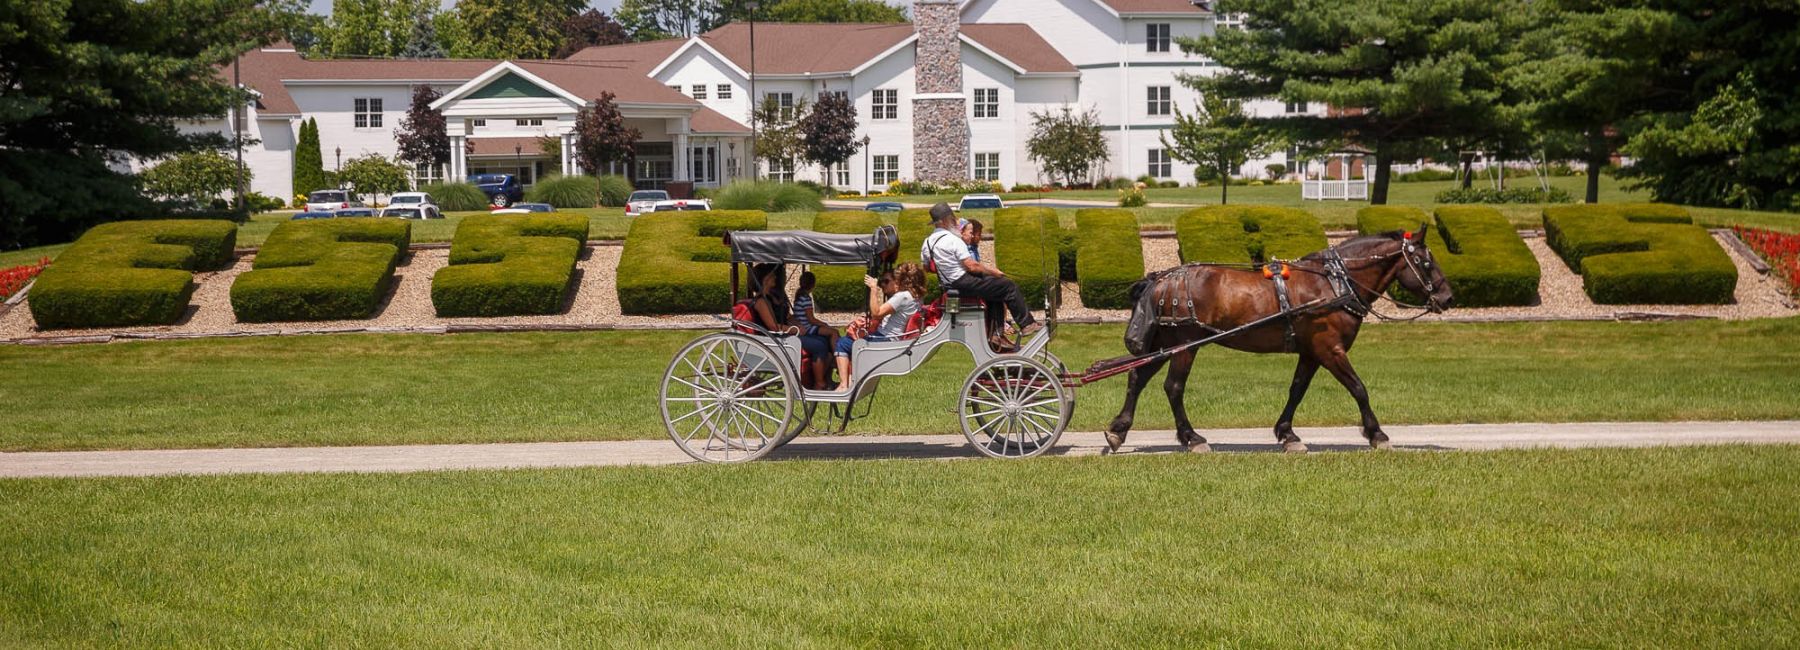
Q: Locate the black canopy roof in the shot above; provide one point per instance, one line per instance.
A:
(807, 247)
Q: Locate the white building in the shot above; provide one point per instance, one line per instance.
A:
(948, 96)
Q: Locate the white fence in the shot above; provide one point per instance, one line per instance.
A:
(1334, 190)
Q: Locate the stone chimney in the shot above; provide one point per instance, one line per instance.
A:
(940, 111)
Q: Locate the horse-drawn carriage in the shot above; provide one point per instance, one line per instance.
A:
(736, 395)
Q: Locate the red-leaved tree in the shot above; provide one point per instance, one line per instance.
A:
(601, 136)
(423, 136)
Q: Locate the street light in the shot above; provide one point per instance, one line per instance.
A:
(519, 161)
(867, 172)
(339, 165)
(752, 6)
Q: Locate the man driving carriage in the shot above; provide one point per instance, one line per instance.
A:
(945, 252)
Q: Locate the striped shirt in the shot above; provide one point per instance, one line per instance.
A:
(802, 304)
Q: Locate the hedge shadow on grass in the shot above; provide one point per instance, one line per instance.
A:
(328, 269)
(130, 273)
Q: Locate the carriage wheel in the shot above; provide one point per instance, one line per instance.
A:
(1014, 407)
(727, 398)
(1057, 368)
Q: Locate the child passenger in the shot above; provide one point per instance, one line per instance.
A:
(892, 302)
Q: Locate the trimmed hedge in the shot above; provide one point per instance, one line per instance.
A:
(130, 273)
(509, 264)
(841, 288)
(676, 262)
(326, 269)
(1232, 234)
(1027, 247)
(1111, 257)
(1641, 254)
(1483, 258)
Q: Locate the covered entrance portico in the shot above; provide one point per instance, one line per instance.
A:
(513, 120)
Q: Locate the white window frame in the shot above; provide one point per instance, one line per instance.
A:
(987, 103)
(1159, 164)
(987, 166)
(1228, 21)
(884, 104)
(724, 91)
(1156, 38)
(676, 88)
(366, 112)
(784, 103)
(478, 123)
(884, 169)
(424, 173)
(699, 91)
(1158, 101)
(528, 121)
(781, 171)
(1295, 108)
(840, 175)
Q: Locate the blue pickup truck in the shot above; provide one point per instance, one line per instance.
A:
(501, 189)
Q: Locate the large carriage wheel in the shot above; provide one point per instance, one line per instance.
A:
(1014, 407)
(728, 398)
(1056, 366)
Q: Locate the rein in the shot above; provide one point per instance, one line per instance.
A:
(1355, 303)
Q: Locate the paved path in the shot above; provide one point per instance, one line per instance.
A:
(417, 458)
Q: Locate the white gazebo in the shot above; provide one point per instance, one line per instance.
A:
(1330, 178)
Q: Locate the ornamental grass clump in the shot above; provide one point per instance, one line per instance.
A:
(768, 196)
(614, 190)
(456, 197)
(565, 191)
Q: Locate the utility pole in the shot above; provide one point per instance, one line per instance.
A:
(754, 101)
(237, 128)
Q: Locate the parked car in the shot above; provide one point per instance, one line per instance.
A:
(355, 212)
(419, 200)
(330, 200)
(643, 201)
(980, 202)
(682, 205)
(314, 215)
(535, 207)
(885, 206)
(501, 189)
(405, 212)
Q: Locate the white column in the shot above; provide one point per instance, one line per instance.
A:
(684, 170)
(459, 169)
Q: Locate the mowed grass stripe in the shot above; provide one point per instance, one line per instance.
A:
(395, 389)
(1593, 548)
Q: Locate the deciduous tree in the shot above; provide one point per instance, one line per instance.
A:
(373, 27)
(196, 177)
(511, 29)
(1067, 143)
(829, 131)
(601, 136)
(779, 138)
(423, 137)
(1218, 136)
(373, 175)
(588, 29)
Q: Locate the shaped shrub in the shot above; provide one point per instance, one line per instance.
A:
(677, 263)
(1111, 257)
(509, 264)
(1641, 254)
(1483, 257)
(841, 288)
(130, 273)
(1027, 247)
(325, 269)
(1230, 234)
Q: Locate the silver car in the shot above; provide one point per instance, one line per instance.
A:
(644, 201)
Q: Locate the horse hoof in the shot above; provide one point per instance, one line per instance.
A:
(1199, 448)
(1113, 441)
(1294, 447)
(1381, 444)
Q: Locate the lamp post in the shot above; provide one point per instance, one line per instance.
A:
(339, 165)
(519, 161)
(752, 6)
(867, 172)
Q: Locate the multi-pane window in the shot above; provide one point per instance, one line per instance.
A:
(1156, 37)
(675, 87)
(368, 112)
(724, 91)
(1295, 107)
(1159, 103)
(699, 91)
(884, 169)
(529, 121)
(987, 166)
(784, 103)
(1159, 163)
(478, 123)
(427, 173)
(987, 102)
(884, 104)
(1229, 21)
(781, 171)
(840, 176)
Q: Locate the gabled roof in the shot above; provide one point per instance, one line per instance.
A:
(710, 122)
(1020, 44)
(1154, 6)
(806, 48)
(638, 57)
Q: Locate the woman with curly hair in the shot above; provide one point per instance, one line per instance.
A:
(893, 300)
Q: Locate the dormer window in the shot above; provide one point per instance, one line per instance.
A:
(1156, 37)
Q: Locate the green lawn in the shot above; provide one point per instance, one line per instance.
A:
(387, 389)
(1598, 548)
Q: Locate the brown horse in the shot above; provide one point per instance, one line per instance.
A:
(1330, 292)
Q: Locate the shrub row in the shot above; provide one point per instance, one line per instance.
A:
(1482, 257)
(509, 264)
(1641, 254)
(1027, 246)
(1229, 234)
(1508, 195)
(1111, 257)
(676, 262)
(841, 288)
(767, 196)
(130, 273)
(327, 269)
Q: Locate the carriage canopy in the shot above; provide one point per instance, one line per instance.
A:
(816, 248)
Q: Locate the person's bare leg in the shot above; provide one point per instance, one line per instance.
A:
(843, 364)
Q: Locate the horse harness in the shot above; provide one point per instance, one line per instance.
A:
(1175, 300)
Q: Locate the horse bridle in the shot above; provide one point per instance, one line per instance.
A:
(1418, 259)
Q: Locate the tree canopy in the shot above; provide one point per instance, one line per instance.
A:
(509, 29)
(588, 29)
(829, 130)
(654, 19)
(1219, 137)
(195, 177)
(1066, 143)
(423, 137)
(601, 136)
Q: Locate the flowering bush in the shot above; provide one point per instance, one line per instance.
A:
(15, 278)
(1780, 250)
(1132, 198)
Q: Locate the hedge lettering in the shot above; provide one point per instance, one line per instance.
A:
(509, 264)
(327, 269)
(1641, 254)
(1231, 234)
(1111, 257)
(130, 273)
(1483, 258)
(677, 262)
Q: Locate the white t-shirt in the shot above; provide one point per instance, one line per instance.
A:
(904, 307)
(946, 249)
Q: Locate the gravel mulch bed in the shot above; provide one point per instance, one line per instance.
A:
(595, 303)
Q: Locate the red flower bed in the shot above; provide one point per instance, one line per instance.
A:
(1781, 250)
(15, 278)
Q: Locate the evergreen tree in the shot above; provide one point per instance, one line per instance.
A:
(423, 42)
(423, 136)
(829, 131)
(1400, 76)
(1219, 137)
(601, 136)
(1068, 144)
(309, 161)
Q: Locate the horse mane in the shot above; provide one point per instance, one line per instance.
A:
(1355, 245)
